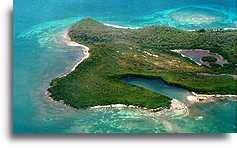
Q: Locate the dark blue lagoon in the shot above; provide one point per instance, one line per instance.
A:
(40, 55)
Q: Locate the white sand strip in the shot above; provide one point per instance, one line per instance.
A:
(71, 43)
(120, 27)
(203, 98)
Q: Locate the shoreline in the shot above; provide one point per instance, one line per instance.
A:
(120, 27)
(175, 106)
(204, 98)
(67, 40)
(190, 30)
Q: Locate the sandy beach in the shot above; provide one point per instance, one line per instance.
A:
(69, 42)
(120, 27)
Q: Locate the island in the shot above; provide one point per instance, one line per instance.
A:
(116, 53)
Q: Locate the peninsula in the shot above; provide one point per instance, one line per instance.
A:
(145, 52)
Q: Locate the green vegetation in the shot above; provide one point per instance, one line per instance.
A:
(115, 53)
(201, 30)
(209, 59)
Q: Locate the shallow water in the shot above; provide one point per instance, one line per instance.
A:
(219, 116)
(39, 56)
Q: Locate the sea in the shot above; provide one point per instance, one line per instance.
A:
(40, 55)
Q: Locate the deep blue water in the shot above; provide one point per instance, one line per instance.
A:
(39, 55)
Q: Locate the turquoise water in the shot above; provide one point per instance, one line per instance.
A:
(39, 55)
(217, 117)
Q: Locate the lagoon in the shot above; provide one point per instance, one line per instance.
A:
(202, 115)
(158, 85)
(39, 56)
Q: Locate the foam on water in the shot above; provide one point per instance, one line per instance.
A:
(113, 120)
(40, 56)
(49, 35)
(101, 120)
(123, 121)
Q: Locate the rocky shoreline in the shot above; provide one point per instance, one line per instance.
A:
(203, 98)
(176, 107)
